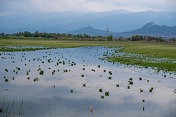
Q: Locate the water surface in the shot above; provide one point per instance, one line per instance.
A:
(72, 82)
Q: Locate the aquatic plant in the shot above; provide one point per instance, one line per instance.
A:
(71, 90)
(6, 70)
(36, 79)
(174, 90)
(130, 82)
(83, 84)
(117, 85)
(128, 87)
(141, 91)
(93, 70)
(151, 89)
(110, 72)
(140, 78)
(109, 77)
(41, 72)
(101, 90)
(107, 93)
(6, 80)
(83, 68)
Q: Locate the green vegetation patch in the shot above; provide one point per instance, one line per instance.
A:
(166, 65)
(159, 56)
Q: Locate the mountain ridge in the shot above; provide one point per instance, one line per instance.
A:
(150, 29)
(117, 21)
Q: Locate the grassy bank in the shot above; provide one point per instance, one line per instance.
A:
(156, 56)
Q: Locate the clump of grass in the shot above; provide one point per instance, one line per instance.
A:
(130, 81)
(6, 70)
(128, 87)
(146, 61)
(36, 79)
(141, 90)
(110, 77)
(102, 97)
(117, 85)
(143, 100)
(6, 80)
(83, 84)
(41, 72)
(140, 78)
(110, 72)
(65, 71)
(93, 70)
(107, 93)
(174, 90)
(82, 75)
(151, 89)
(71, 90)
(101, 90)
(83, 68)
(53, 72)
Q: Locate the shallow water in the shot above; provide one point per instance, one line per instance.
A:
(68, 90)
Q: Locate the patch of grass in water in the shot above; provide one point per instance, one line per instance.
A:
(36, 79)
(101, 90)
(83, 84)
(41, 72)
(145, 61)
(6, 80)
(107, 93)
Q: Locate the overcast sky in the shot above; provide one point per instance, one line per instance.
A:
(43, 6)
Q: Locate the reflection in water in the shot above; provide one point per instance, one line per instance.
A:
(75, 82)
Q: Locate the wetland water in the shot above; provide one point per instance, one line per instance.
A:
(67, 82)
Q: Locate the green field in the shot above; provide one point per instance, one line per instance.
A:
(146, 54)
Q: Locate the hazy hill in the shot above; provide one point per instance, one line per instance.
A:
(90, 31)
(117, 21)
(153, 30)
(148, 29)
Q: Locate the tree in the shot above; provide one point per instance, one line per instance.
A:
(36, 34)
(110, 38)
(2, 34)
(27, 34)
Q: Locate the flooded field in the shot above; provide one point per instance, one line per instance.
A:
(77, 82)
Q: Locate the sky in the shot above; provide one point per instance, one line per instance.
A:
(11, 7)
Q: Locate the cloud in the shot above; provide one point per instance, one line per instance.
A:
(33, 6)
(71, 5)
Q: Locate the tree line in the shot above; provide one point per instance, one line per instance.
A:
(38, 34)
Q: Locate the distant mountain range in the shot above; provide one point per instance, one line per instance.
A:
(90, 31)
(62, 22)
(153, 30)
(148, 29)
